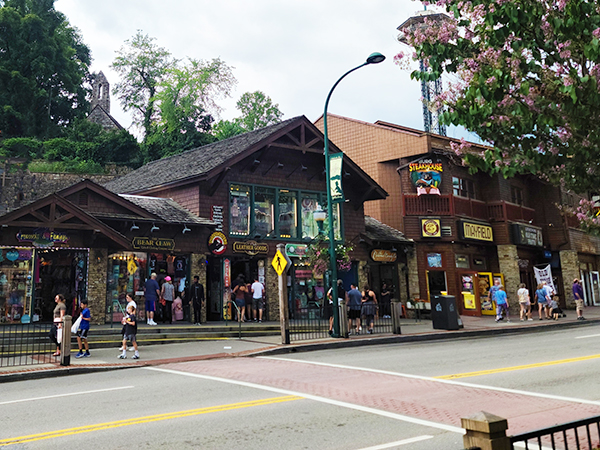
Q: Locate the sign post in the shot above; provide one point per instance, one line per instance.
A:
(280, 264)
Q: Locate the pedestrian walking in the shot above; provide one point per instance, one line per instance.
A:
(369, 307)
(542, 299)
(130, 302)
(82, 332)
(501, 304)
(130, 323)
(239, 292)
(59, 312)
(258, 292)
(524, 302)
(354, 307)
(197, 298)
(167, 294)
(578, 296)
(151, 294)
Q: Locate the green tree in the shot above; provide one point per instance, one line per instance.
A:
(525, 78)
(257, 110)
(43, 65)
(143, 66)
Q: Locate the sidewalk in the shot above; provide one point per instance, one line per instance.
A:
(412, 331)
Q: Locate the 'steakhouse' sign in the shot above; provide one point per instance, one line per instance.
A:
(250, 248)
(152, 243)
(474, 231)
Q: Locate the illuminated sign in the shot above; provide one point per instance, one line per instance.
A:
(250, 248)
(431, 228)
(152, 243)
(379, 255)
(475, 231)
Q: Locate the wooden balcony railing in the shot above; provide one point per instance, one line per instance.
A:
(450, 205)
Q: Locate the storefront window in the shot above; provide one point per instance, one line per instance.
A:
(287, 222)
(15, 283)
(126, 275)
(239, 210)
(264, 209)
(310, 203)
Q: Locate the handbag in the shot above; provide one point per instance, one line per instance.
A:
(76, 325)
(162, 301)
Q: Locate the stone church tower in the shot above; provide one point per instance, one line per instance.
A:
(100, 105)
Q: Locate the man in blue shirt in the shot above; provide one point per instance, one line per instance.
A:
(152, 293)
(82, 332)
(501, 304)
(354, 305)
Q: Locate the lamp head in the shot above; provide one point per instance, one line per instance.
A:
(375, 58)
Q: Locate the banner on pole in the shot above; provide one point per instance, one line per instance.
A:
(544, 276)
(335, 177)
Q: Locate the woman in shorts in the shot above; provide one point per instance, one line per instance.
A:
(542, 299)
(524, 302)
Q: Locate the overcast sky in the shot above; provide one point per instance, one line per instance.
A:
(293, 50)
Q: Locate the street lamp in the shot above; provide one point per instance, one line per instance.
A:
(374, 58)
(319, 215)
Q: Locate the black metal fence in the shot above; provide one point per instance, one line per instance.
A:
(26, 344)
(581, 435)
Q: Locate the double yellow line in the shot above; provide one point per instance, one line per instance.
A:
(145, 419)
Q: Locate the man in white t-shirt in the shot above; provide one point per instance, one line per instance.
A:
(258, 291)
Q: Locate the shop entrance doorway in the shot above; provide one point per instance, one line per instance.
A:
(60, 271)
(214, 288)
(469, 303)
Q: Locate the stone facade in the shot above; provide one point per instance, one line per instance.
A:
(97, 284)
(508, 261)
(413, 276)
(363, 274)
(272, 290)
(569, 263)
(198, 267)
(100, 104)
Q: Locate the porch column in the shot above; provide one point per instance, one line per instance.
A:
(272, 290)
(569, 263)
(413, 275)
(97, 274)
(508, 260)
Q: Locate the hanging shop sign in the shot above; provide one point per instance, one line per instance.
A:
(426, 175)
(226, 273)
(474, 231)
(335, 177)
(216, 215)
(217, 243)
(296, 250)
(526, 235)
(431, 228)
(43, 237)
(379, 255)
(251, 248)
(152, 243)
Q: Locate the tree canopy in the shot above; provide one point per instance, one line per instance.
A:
(525, 77)
(43, 66)
(258, 111)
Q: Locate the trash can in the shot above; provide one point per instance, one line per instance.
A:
(444, 315)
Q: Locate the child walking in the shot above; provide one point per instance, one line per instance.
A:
(130, 323)
(82, 333)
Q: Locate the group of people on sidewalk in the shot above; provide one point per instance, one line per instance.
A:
(544, 297)
(171, 304)
(359, 304)
(249, 299)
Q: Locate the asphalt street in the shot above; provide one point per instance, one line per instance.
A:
(404, 396)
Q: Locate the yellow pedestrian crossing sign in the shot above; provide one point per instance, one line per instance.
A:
(279, 262)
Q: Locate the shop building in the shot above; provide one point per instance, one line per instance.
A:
(86, 242)
(468, 228)
(261, 189)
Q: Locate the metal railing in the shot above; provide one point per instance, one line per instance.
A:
(309, 322)
(26, 344)
(581, 435)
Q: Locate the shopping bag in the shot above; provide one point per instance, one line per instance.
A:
(75, 326)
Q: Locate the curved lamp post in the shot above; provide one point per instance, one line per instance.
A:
(374, 58)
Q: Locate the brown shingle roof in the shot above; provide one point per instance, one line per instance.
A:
(167, 209)
(192, 163)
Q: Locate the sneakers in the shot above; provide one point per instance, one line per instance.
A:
(86, 355)
(260, 321)
(122, 356)
(530, 319)
(131, 349)
(151, 322)
(136, 356)
(79, 355)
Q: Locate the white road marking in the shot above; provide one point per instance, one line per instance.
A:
(588, 336)
(70, 394)
(438, 380)
(316, 398)
(399, 443)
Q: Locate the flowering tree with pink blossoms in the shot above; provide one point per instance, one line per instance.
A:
(525, 78)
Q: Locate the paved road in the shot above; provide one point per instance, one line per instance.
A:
(406, 396)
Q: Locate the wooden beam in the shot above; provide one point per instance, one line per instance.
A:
(259, 158)
(362, 199)
(39, 215)
(218, 181)
(278, 164)
(52, 211)
(302, 167)
(64, 217)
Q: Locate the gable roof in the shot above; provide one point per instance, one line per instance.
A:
(379, 232)
(202, 163)
(99, 110)
(192, 164)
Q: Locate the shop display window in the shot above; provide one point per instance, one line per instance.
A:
(287, 219)
(126, 274)
(15, 283)
(239, 210)
(264, 209)
(310, 203)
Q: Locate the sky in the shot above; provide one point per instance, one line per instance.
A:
(293, 50)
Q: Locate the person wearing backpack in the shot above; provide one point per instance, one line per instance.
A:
(524, 302)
